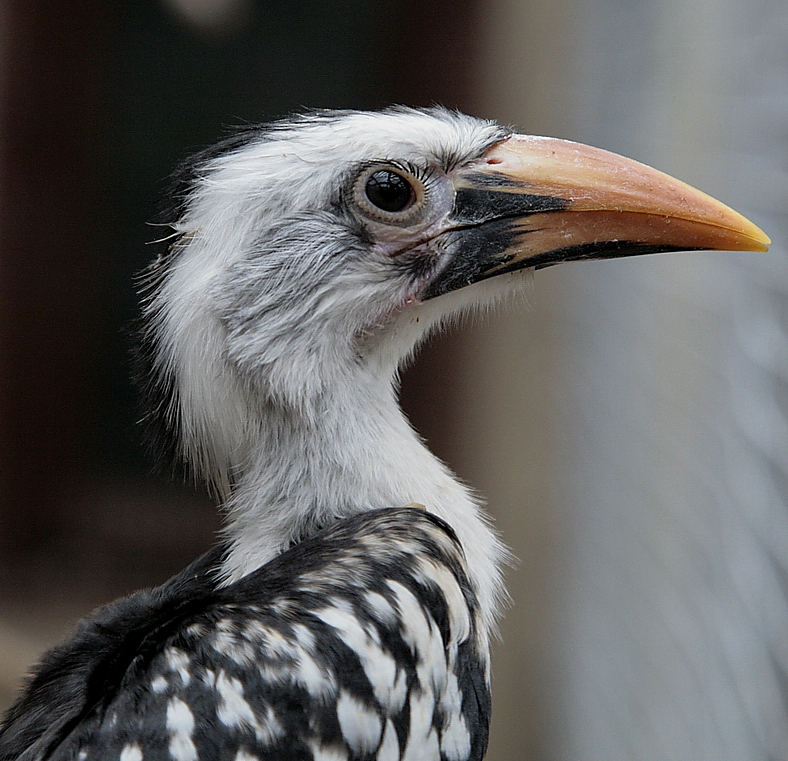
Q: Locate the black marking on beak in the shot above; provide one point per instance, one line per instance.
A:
(485, 235)
(471, 252)
(475, 205)
(614, 249)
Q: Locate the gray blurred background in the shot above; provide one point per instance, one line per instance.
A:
(629, 428)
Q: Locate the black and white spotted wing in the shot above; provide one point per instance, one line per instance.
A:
(359, 643)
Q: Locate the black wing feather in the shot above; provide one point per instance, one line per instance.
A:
(75, 676)
(329, 647)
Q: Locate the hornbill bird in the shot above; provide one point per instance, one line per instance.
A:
(348, 610)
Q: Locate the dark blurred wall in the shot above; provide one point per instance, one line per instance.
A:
(49, 281)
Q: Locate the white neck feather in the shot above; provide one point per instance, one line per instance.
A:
(356, 452)
(312, 437)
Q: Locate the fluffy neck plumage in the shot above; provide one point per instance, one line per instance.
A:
(353, 452)
(287, 464)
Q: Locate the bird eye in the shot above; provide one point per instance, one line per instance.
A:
(389, 191)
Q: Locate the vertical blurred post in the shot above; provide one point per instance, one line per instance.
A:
(649, 473)
(676, 611)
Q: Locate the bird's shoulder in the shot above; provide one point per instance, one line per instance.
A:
(75, 674)
(359, 642)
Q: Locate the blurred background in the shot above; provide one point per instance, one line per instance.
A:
(629, 429)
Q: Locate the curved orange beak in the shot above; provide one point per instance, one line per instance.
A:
(536, 201)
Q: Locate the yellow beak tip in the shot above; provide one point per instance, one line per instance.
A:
(760, 240)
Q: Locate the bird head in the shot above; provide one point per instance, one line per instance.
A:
(312, 255)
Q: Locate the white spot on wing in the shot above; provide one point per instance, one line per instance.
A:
(421, 634)
(159, 684)
(180, 724)
(361, 727)
(318, 681)
(380, 607)
(422, 738)
(326, 752)
(131, 752)
(455, 738)
(178, 662)
(235, 711)
(231, 646)
(399, 692)
(459, 618)
(412, 616)
(244, 755)
(389, 747)
(195, 630)
(378, 664)
(277, 643)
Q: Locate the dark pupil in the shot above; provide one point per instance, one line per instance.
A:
(388, 191)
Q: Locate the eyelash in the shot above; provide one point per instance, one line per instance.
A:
(425, 175)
